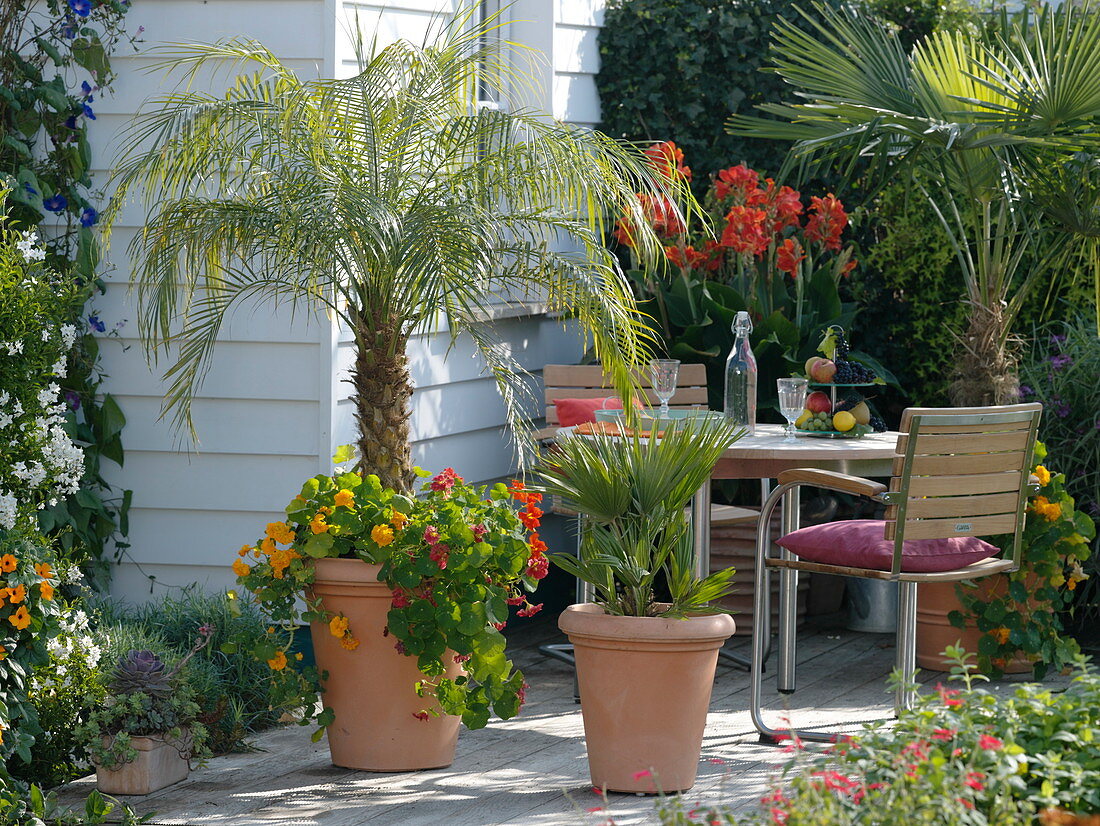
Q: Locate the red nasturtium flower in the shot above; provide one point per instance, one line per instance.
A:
(827, 221)
(668, 159)
(789, 256)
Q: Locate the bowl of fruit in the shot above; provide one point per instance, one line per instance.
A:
(837, 408)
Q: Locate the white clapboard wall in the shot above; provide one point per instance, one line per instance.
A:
(275, 406)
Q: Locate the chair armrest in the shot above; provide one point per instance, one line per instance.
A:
(832, 481)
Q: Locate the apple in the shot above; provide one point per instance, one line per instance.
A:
(818, 402)
(822, 371)
(810, 362)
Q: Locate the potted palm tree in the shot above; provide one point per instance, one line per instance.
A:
(645, 664)
(387, 200)
(995, 127)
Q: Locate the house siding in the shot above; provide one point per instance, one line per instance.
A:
(276, 404)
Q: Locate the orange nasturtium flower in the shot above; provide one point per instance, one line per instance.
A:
(240, 569)
(45, 591)
(345, 498)
(349, 642)
(1043, 475)
(1046, 509)
(280, 532)
(338, 626)
(8, 563)
(382, 534)
(318, 524)
(399, 520)
(1000, 635)
(278, 662)
(267, 546)
(280, 560)
(21, 618)
(244, 550)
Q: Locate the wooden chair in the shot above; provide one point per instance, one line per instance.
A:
(958, 472)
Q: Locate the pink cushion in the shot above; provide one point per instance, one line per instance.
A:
(578, 411)
(859, 543)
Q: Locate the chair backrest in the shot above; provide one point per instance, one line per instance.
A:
(587, 381)
(962, 471)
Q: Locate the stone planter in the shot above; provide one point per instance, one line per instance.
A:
(372, 690)
(645, 686)
(159, 763)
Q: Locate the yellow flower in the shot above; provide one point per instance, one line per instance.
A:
(8, 563)
(3, 654)
(278, 662)
(44, 570)
(318, 524)
(280, 560)
(240, 569)
(382, 534)
(244, 550)
(1043, 475)
(21, 618)
(349, 642)
(399, 520)
(267, 546)
(280, 532)
(345, 498)
(1000, 635)
(45, 590)
(325, 509)
(17, 594)
(1046, 509)
(298, 656)
(338, 626)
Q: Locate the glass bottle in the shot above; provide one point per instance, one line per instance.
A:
(741, 376)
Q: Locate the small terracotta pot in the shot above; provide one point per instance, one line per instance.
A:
(935, 600)
(158, 764)
(372, 690)
(645, 685)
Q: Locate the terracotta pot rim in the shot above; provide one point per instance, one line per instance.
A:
(345, 572)
(590, 620)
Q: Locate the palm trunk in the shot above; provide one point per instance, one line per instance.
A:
(985, 365)
(382, 394)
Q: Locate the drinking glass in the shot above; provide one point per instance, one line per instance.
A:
(792, 400)
(663, 373)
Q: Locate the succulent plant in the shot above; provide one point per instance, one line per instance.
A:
(140, 672)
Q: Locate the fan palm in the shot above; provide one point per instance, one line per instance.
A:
(390, 201)
(980, 119)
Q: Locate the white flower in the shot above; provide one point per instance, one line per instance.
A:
(60, 368)
(68, 336)
(7, 510)
(47, 395)
(13, 347)
(45, 335)
(29, 247)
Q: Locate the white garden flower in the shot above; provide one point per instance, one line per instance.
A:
(7, 510)
(29, 247)
(68, 336)
(60, 369)
(47, 395)
(14, 348)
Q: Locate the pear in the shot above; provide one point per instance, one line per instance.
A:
(862, 413)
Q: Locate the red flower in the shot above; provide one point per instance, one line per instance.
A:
(529, 516)
(516, 600)
(421, 715)
(744, 232)
(445, 481)
(948, 695)
(974, 780)
(668, 159)
(400, 599)
(788, 206)
(658, 211)
(439, 554)
(827, 222)
(479, 532)
(737, 181)
(846, 270)
(944, 733)
(431, 534)
(789, 256)
(529, 611)
(537, 545)
(461, 658)
(988, 742)
(538, 567)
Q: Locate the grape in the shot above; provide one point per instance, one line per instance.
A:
(877, 424)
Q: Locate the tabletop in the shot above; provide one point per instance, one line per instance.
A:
(766, 453)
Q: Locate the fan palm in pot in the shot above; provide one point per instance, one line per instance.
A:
(645, 668)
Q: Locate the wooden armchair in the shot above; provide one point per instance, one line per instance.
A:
(959, 473)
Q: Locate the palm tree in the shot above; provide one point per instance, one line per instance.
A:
(982, 120)
(387, 199)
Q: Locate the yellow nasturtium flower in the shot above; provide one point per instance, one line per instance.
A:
(1046, 509)
(240, 569)
(318, 524)
(382, 534)
(338, 626)
(1043, 475)
(345, 498)
(399, 520)
(278, 662)
(280, 532)
(349, 642)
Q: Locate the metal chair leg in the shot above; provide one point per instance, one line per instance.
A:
(788, 599)
(906, 643)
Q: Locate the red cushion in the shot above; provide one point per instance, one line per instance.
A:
(578, 411)
(859, 543)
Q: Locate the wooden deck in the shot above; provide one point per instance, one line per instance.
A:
(529, 770)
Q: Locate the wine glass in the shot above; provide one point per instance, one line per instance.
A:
(792, 400)
(663, 373)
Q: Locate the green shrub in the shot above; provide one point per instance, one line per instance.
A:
(232, 691)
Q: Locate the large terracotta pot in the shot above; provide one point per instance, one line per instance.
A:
(645, 685)
(935, 600)
(158, 764)
(372, 689)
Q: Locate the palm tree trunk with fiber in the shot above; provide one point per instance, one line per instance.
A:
(985, 370)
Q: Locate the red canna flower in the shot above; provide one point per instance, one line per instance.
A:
(827, 222)
(668, 159)
(789, 255)
(737, 181)
(744, 232)
(788, 206)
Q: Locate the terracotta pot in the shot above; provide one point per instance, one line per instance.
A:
(158, 764)
(645, 685)
(372, 690)
(935, 600)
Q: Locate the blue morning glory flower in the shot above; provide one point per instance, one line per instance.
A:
(88, 113)
(96, 324)
(86, 88)
(56, 203)
(70, 122)
(68, 31)
(82, 7)
(89, 217)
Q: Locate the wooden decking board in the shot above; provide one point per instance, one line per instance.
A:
(528, 770)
